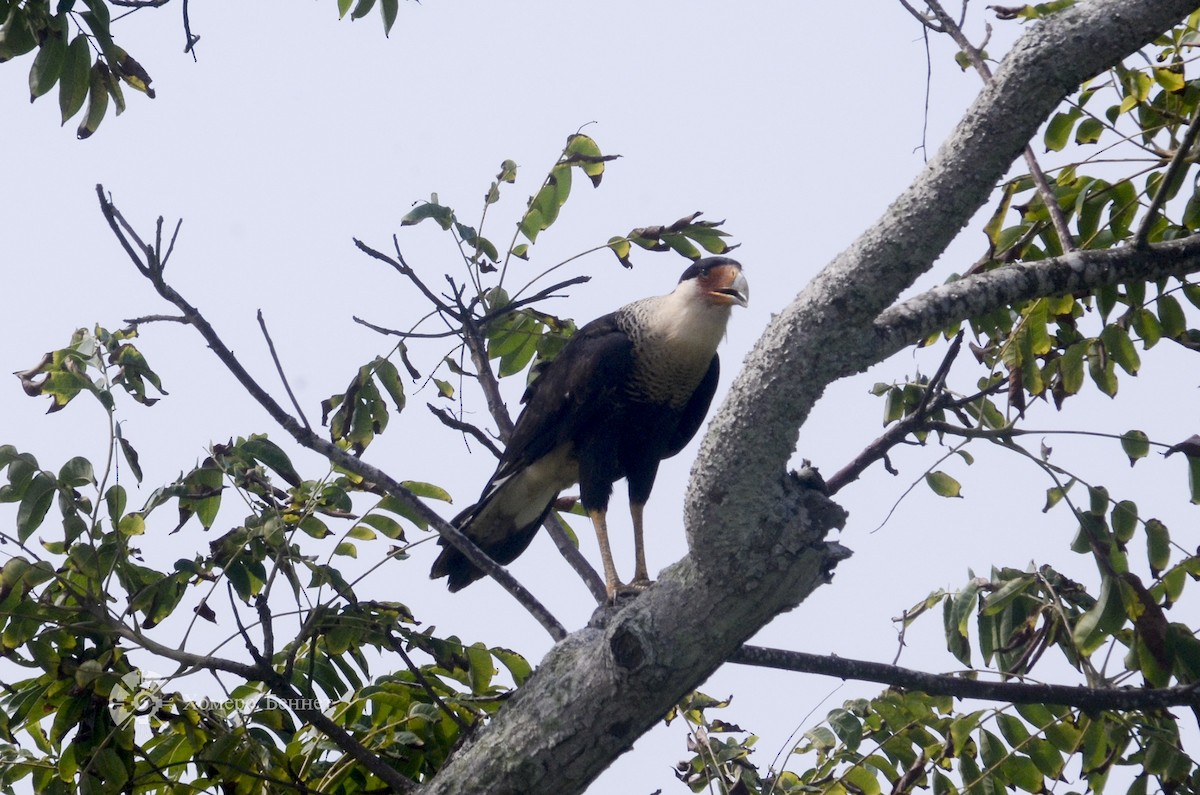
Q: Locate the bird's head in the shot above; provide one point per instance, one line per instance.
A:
(719, 280)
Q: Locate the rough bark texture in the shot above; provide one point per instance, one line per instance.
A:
(757, 534)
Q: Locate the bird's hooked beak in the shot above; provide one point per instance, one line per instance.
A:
(727, 285)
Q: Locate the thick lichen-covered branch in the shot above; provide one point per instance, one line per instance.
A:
(1077, 271)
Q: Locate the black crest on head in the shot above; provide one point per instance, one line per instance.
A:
(702, 266)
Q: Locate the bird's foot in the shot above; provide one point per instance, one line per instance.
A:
(640, 584)
(622, 592)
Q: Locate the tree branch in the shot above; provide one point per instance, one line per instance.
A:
(376, 478)
(1166, 188)
(447, 419)
(262, 324)
(1077, 271)
(1085, 698)
(973, 54)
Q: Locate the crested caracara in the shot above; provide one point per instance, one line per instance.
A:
(627, 390)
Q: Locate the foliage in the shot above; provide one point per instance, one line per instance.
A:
(81, 597)
(1044, 351)
(72, 46)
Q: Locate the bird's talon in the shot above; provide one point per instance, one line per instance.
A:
(623, 592)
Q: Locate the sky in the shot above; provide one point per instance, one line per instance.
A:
(795, 123)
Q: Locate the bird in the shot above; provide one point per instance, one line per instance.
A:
(627, 391)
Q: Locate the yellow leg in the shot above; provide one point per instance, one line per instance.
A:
(641, 577)
(612, 583)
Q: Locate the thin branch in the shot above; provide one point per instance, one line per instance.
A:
(419, 335)
(1175, 169)
(449, 421)
(398, 647)
(540, 295)
(477, 349)
(375, 480)
(1035, 170)
(873, 452)
(262, 324)
(344, 740)
(575, 559)
(925, 21)
(263, 661)
(137, 321)
(402, 268)
(1085, 698)
(192, 39)
(917, 420)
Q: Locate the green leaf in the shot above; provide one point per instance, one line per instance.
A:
(115, 499)
(1058, 131)
(269, 454)
(1147, 327)
(47, 65)
(426, 490)
(1194, 478)
(362, 8)
(1120, 348)
(481, 668)
(1158, 546)
(1100, 368)
(97, 102)
(1089, 131)
(1104, 618)
(943, 485)
(361, 533)
(1170, 314)
(518, 667)
(131, 457)
(385, 524)
(389, 9)
(132, 524)
(77, 473)
(444, 216)
(1055, 494)
(39, 494)
(1136, 444)
(75, 77)
(1124, 520)
(1170, 79)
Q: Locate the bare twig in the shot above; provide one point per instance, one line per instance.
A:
(540, 295)
(192, 39)
(262, 324)
(925, 21)
(137, 321)
(918, 420)
(575, 559)
(973, 54)
(419, 335)
(403, 269)
(1087, 698)
(1175, 169)
(263, 661)
(449, 421)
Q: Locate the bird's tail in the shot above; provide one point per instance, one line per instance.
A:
(502, 524)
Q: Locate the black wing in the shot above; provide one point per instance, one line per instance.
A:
(696, 409)
(579, 388)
